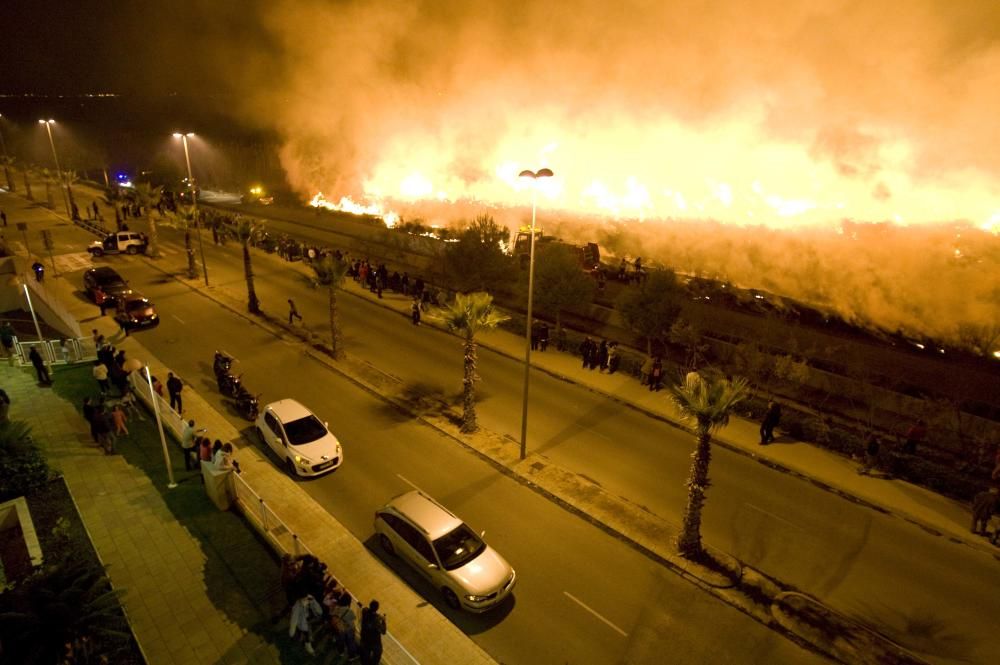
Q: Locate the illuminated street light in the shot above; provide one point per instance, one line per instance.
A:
(48, 126)
(194, 198)
(534, 175)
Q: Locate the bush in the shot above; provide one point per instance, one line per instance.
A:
(22, 466)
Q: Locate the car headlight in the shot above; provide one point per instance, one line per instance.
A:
(302, 461)
(476, 599)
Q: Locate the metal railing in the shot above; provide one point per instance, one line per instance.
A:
(57, 351)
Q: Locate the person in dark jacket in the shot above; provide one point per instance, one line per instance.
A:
(372, 629)
(43, 372)
(771, 418)
(602, 355)
(174, 387)
(984, 505)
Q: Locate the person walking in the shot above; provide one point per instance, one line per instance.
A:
(188, 446)
(984, 505)
(415, 312)
(771, 418)
(656, 375)
(293, 313)
(39, 364)
(174, 387)
(118, 418)
(602, 356)
(373, 627)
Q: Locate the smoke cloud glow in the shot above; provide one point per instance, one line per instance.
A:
(754, 141)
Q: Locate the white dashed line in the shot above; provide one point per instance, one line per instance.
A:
(780, 519)
(584, 606)
(408, 483)
(179, 319)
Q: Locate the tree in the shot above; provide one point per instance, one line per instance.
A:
(71, 179)
(468, 314)
(684, 333)
(47, 178)
(560, 282)
(27, 183)
(477, 262)
(148, 197)
(184, 219)
(651, 308)
(245, 232)
(706, 405)
(330, 272)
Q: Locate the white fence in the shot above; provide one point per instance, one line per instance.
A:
(57, 351)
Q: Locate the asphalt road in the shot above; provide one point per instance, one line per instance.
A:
(936, 597)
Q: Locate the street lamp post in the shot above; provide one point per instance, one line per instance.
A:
(534, 175)
(159, 425)
(194, 199)
(48, 126)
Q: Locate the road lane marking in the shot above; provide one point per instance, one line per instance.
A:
(408, 483)
(584, 606)
(780, 519)
(179, 319)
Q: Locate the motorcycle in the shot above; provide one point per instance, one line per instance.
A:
(222, 363)
(248, 404)
(229, 384)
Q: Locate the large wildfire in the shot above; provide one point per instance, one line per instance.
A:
(843, 153)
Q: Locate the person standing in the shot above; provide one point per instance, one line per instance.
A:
(118, 417)
(915, 436)
(188, 446)
(585, 351)
(771, 418)
(293, 313)
(304, 612)
(89, 410)
(101, 298)
(103, 428)
(543, 337)
(100, 373)
(7, 337)
(872, 448)
(344, 623)
(984, 505)
(602, 355)
(372, 629)
(656, 375)
(415, 312)
(39, 364)
(3, 217)
(613, 358)
(174, 387)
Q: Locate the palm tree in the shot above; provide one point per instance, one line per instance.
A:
(27, 183)
(706, 404)
(71, 178)
(148, 197)
(330, 272)
(184, 219)
(468, 314)
(245, 231)
(7, 163)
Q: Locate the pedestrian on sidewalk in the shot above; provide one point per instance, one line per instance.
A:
(373, 627)
(205, 449)
(293, 313)
(543, 337)
(305, 612)
(100, 373)
(872, 448)
(586, 350)
(89, 410)
(984, 505)
(43, 372)
(174, 387)
(188, 445)
(915, 436)
(103, 427)
(656, 375)
(602, 356)
(771, 418)
(3, 217)
(118, 417)
(415, 312)
(101, 298)
(344, 623)
(645, 371)
(613, 358)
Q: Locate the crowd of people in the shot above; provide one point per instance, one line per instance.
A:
(322, 612)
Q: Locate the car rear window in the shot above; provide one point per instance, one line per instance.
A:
(304, 430)
(459, 547)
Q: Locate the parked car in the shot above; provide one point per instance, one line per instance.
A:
(469, 573)
(299, 438)
(135, 312)
(123, 242)
(108, 279)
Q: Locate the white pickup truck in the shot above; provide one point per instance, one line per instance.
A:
(123, 242)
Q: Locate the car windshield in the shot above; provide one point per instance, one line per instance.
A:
(304, 430)
(458, 547)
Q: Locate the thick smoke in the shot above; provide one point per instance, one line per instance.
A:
(780, 119)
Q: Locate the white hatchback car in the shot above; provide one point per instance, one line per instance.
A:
(299, 438)
(451, 556)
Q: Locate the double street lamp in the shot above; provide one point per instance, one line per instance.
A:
(48, 127)
(534, 175)
(194, 198)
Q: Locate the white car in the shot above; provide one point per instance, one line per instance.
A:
(299, 438)
(469, 573)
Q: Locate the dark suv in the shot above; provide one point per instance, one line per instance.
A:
(110, 282)
(136, 312)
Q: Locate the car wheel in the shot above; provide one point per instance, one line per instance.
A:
(96, 252)
(450, 598)
(386, 544)
(290, 466)
(131, 250)
(260, 435)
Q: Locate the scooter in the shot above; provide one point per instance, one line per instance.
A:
(248, 404)
(229, 384)
(222, 364)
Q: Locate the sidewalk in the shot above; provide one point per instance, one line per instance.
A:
(416, 627)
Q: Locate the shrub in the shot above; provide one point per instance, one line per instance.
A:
(22, 466)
